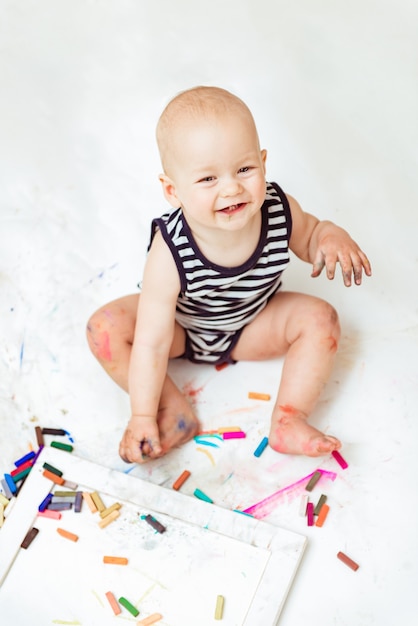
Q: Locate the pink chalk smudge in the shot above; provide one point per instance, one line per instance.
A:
(104, 351)
(192, 392)
(265, 507)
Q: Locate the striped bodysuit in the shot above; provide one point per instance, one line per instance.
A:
(215, 303)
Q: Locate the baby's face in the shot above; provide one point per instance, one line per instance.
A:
(218, 170)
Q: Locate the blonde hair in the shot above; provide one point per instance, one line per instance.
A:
(196, 103)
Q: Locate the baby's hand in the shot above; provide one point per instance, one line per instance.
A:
(335, 245)
(141, 440)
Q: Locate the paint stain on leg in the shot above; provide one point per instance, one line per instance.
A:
(103, 347)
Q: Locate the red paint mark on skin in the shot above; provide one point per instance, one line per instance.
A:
(103, 347)
(333, 344)
(288, 409)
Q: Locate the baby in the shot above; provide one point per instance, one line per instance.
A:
(211, 288)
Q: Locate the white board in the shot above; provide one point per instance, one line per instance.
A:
(205, 551)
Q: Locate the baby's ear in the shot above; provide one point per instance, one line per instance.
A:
(169, 190)
(264, 158)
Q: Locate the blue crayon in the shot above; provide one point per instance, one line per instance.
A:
(10, 483)
(45, 502)
(261, 447)
(27, 457)
(202, 496)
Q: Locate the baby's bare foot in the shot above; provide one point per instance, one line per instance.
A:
(176, 420)
(176, 428)
(290, 433)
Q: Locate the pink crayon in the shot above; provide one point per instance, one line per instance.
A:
(337, 456)
(238, 434)
(310, 513)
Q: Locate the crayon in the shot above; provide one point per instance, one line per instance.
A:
(60, 506)
(310, 513)
(30, 536)
(319, 504)
(22, 474)
(62, 446)
(52, 469)
(67, 535)
(10, 483)
(4, 500)
(115, 507)
(322, 515)
(261, 447)
(21, 468)
(28, 457)
(58, 480)
(70, 485)
(39, 436)
(60, 499)
(238, 434)
(7, 491)
(253, 395)
(45, 503)
(53, 431)
(108, 519)
(87, 498)
(337, 456)
(151, 619)
(97, 501)
(115, 560)
(10, 506)
(113, 603)
(303, 504)
(155, 524)
(128, 606)
(202, 496)
(219, 609)
(181, 480)
(78, 502)
(349, 562)
(314, 479)
(50, 514)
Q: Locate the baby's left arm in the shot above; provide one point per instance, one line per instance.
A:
(324, 244)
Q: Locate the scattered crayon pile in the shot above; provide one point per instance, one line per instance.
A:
(13, 481)
(65, 495)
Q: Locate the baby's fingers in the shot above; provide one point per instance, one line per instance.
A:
(354, 266)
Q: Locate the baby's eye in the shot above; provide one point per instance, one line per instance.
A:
(244, 170)
(206, 179)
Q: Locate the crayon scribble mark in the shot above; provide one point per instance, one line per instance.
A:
(208, 454)
(265, 507)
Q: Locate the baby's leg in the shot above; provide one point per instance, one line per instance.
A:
(306, 330)
(110, 333)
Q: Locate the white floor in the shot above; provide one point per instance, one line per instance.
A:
(333, 89)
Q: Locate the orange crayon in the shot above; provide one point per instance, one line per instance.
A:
(254, 395)
(322, 515)
(67, 534)
(181, 480)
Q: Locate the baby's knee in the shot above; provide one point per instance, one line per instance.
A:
(98, 334)
(326, 322)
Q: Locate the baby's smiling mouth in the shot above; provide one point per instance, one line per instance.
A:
(233, 208)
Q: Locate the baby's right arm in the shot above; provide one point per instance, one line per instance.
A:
(153, 338)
